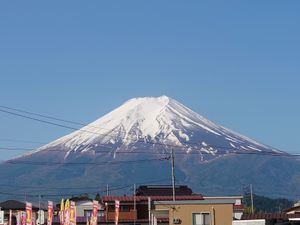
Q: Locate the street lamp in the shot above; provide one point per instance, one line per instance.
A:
(106, 212)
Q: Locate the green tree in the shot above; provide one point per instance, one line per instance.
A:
(98, 197)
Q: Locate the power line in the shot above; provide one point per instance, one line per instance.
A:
(115, 188)
(52, 117)
(48, 122)
(87, 125)
(15, 149)
(20, 141)
(58, 195)
(148, 142)
(103, 190)
(202, 151)
(77, 187)
(73, 128)
(80, 130)
(39, 163)
(95, 192)
(195, 151)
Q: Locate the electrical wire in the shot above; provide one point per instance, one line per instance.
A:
(221, 149)
(195, 151)
(52, 117)
(48, 122)
(103, 190)
(39, 163)
(87, 125)
(77, 187)
(20, 141)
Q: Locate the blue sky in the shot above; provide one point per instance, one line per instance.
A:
(234, 62)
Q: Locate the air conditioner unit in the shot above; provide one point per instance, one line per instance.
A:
(177, 221)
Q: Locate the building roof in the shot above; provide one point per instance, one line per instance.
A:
(195, 202)
(80, 198)
(269, 216)
(239, 207)
(153, 198)
(160, 190)
(224, 197)
(14, 205)
(294, 208)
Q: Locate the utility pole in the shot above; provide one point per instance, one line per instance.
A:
(173, 174)
(40, 214)
(107, 190)
(149, 210)
(134, 203)
(252, 205)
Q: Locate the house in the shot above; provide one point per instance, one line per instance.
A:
(269, 219)
(13, 208)
(238, 207)
(293, 210)
(153, 204)
(84, 207)
(290, 216)
(196, 212)
(137, 209)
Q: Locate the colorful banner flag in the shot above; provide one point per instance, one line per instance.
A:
(23, 217)
(61, 212)
(1, 217)
(117, 210)
(10, 217)
(40, 217)
(67, 213)
(50, 213)
(18, 218)
(72, 213)
(28, 213)
(94, 215)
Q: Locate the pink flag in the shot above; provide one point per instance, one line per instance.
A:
(50, 213)
(28, 213)
(117, 210)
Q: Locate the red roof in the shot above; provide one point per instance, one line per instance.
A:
(268, 216)
(153, 198)
(162, 190)
(238, 207)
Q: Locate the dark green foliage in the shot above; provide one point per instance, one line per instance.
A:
(264, 204)
(98, 197)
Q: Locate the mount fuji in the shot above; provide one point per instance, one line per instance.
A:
(154, 123)
(132, 143)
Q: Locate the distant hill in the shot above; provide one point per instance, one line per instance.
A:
(264, 204)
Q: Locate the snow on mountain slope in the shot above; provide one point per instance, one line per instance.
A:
(153, 120)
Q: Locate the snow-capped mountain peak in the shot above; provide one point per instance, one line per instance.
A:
(153, 120)
(132, 143)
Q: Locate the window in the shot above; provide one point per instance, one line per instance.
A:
(201, 219)
(125, 208)
(88, 213)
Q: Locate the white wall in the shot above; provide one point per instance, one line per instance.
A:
(238, 215)
(249, 222)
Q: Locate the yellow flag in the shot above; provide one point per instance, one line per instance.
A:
(67, 212)
(61, 212)
(62, 208)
